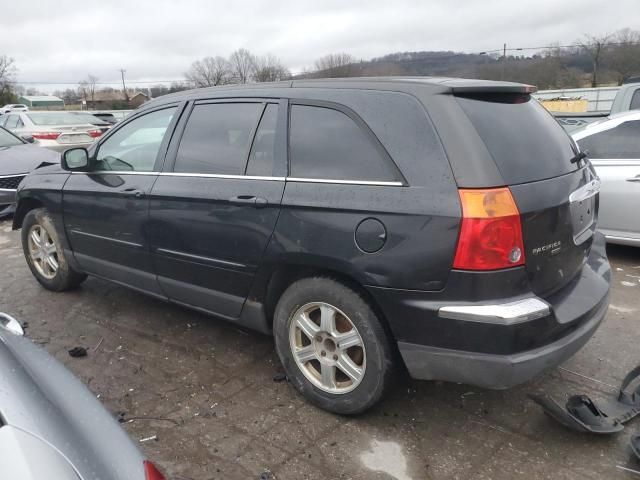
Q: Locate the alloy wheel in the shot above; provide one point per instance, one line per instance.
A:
(327, 347)
(43, 252)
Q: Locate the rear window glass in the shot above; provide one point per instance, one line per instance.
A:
(526, 143)
(63, 118)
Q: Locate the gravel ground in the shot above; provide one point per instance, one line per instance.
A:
(206, 391)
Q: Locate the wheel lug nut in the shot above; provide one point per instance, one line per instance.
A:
(318, 338)
(335, 357)
(323, 353)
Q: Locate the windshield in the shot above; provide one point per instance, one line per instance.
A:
(63, 118)
(8, 140)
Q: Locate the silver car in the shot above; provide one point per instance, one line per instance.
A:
(56, 130)
(614, 150)
(51, 426)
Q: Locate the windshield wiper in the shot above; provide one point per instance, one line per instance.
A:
(579, 156)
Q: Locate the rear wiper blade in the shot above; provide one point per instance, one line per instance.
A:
(579, 156)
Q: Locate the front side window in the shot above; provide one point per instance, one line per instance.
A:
(217, 138)
(618, 142)
(327, 144)
(135, 146)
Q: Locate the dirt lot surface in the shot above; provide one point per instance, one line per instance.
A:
(206, 390)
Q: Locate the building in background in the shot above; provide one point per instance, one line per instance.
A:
(42, 102)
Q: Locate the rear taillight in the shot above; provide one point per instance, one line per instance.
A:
(46, 135)
(151, 472)
(94, 133)
(491, 233)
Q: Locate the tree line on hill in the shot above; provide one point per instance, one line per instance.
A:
(592, 61)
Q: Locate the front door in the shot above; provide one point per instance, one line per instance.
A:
(106, 208)
(214, 208)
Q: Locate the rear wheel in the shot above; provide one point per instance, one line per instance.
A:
(332, 345)
(44, 253)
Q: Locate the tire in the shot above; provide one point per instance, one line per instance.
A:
(43, 251)
(317, 367)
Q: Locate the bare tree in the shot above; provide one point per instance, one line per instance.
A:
(623, 56)
(595, 48)
(209, 72)
(269, 68)
(335, 65)
(92, 80)
(7, 71)
(242, 65)
(83, 90)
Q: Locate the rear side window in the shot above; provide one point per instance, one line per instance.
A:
(327, 144)
(217, 138)
(619, 142)
(526, 143)
(635, 100)
(12, 121)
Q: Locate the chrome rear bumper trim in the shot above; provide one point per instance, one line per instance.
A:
(509, 313)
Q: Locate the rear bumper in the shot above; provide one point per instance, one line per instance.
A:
(497, 343)
(496, 371)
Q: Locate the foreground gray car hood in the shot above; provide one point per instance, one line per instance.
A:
(24, 158)
(47, 415)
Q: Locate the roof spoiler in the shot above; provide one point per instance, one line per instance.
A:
(480, 87)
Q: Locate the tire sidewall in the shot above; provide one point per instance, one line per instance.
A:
(378, 354)
(61, 279)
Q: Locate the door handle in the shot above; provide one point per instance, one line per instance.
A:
(249, 200)
(134, 192)
(634, 179)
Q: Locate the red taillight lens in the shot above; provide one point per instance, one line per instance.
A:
(491, 233)
(46, 135)
(94, 133)
(151, 472)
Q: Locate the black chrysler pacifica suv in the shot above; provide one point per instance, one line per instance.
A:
(445, 226)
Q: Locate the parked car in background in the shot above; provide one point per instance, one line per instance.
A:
(613, 146)
(51, 426)
(14, 107)
(627, 98)
(56, 130)
(17, 159)
(346, 218)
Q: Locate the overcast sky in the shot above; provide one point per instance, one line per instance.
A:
(153, 40)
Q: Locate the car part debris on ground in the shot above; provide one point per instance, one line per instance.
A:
(582, 414)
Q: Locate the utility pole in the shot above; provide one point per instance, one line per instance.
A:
(504, 60)
(124, 87)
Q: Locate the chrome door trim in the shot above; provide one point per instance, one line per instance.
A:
(345, 182)
(200, 257)
(109, 239)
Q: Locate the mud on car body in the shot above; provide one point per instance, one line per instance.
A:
(443, 225)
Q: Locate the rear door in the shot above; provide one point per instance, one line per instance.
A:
(214, 207)
(615, 154)
(106, 209)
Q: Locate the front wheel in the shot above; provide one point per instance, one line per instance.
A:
(44, 253)
(332, 345)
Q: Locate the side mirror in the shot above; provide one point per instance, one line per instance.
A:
(27, 138)
(75, 159)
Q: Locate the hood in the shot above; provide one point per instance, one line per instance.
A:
(25, 158)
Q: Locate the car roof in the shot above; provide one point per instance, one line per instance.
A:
(400, 84)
